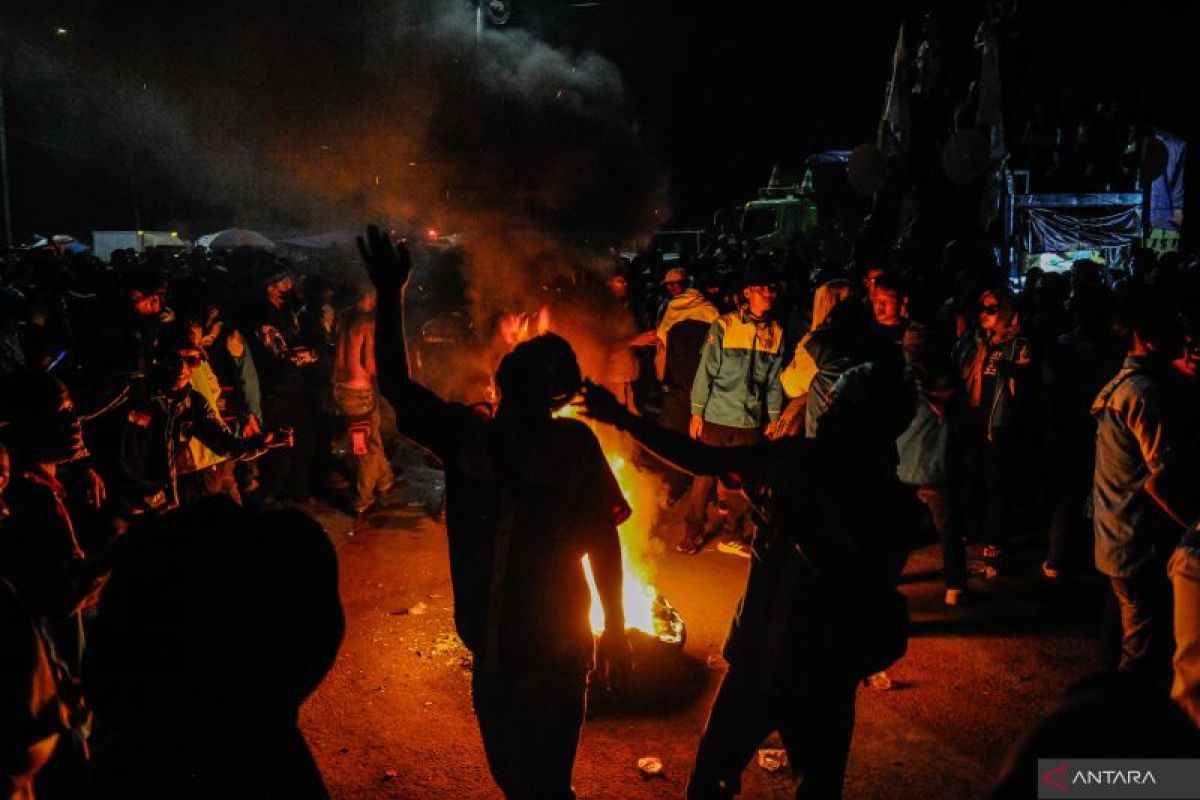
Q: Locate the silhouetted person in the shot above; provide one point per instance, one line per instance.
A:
(214, 627)
(284, 362)
(1110, 715)
(820, 610)
(29, 708)
(527, 497)
(40, 550)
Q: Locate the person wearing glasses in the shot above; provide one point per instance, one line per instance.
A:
(993, 362)
(162, 416)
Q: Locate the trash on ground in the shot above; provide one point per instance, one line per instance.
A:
(772, 759)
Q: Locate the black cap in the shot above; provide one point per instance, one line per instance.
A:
(760, 272)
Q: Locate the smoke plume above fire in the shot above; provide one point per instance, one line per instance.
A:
(326, 116)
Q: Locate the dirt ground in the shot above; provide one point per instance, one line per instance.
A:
(393, 719)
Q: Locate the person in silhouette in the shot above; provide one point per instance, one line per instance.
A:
(528, 496)
(215, 625)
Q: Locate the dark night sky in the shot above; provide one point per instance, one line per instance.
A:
(722, 91)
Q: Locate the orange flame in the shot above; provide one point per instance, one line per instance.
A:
(641, 490)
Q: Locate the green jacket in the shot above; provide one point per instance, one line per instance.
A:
(737, 383)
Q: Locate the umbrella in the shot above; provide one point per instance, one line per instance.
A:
(62, 241)
(234, 237)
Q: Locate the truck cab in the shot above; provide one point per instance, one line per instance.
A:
(779, 217)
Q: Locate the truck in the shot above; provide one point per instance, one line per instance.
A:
(105, 242)
(781, 216)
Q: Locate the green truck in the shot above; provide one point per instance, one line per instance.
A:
(781, 216)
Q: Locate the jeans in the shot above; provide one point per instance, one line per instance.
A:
(530, 723)
(1185, 580)
(1075, 466)
(696, 511)
(1146, 641)
(814, 717)
(372, 472)
(989, 470)
(945, 520)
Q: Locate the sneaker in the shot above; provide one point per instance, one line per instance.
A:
(1050, 571)
(954, 597)
(735, 547)
(690, 545)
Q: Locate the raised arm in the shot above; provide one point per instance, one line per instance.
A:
(420, 414)
(389, 266)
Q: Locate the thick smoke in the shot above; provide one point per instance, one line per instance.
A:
(527, 151)
(402, 113)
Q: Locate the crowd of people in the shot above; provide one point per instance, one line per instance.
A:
(809, 404)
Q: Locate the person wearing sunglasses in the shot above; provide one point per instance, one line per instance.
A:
(993, 362)
(162, 415)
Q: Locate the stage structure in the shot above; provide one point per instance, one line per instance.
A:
(1051, 231)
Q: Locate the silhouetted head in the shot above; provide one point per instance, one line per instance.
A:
(1110, 715)
(1145, 317)
(38, 420)
(539, 376)
(223, 611)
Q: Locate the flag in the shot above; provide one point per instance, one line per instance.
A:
(897, 112)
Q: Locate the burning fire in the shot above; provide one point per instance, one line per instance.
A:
(645, 609)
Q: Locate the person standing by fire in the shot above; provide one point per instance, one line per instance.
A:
(735, 393)
(820, 610)
(527, 497)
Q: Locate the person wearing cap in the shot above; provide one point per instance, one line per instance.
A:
(735, 392)
(683, 325)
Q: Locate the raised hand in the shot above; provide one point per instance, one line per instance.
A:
(388, 264)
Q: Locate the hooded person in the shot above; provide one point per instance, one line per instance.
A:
(680, 335)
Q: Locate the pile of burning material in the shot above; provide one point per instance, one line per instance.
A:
(662, 624)
(646, 610)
